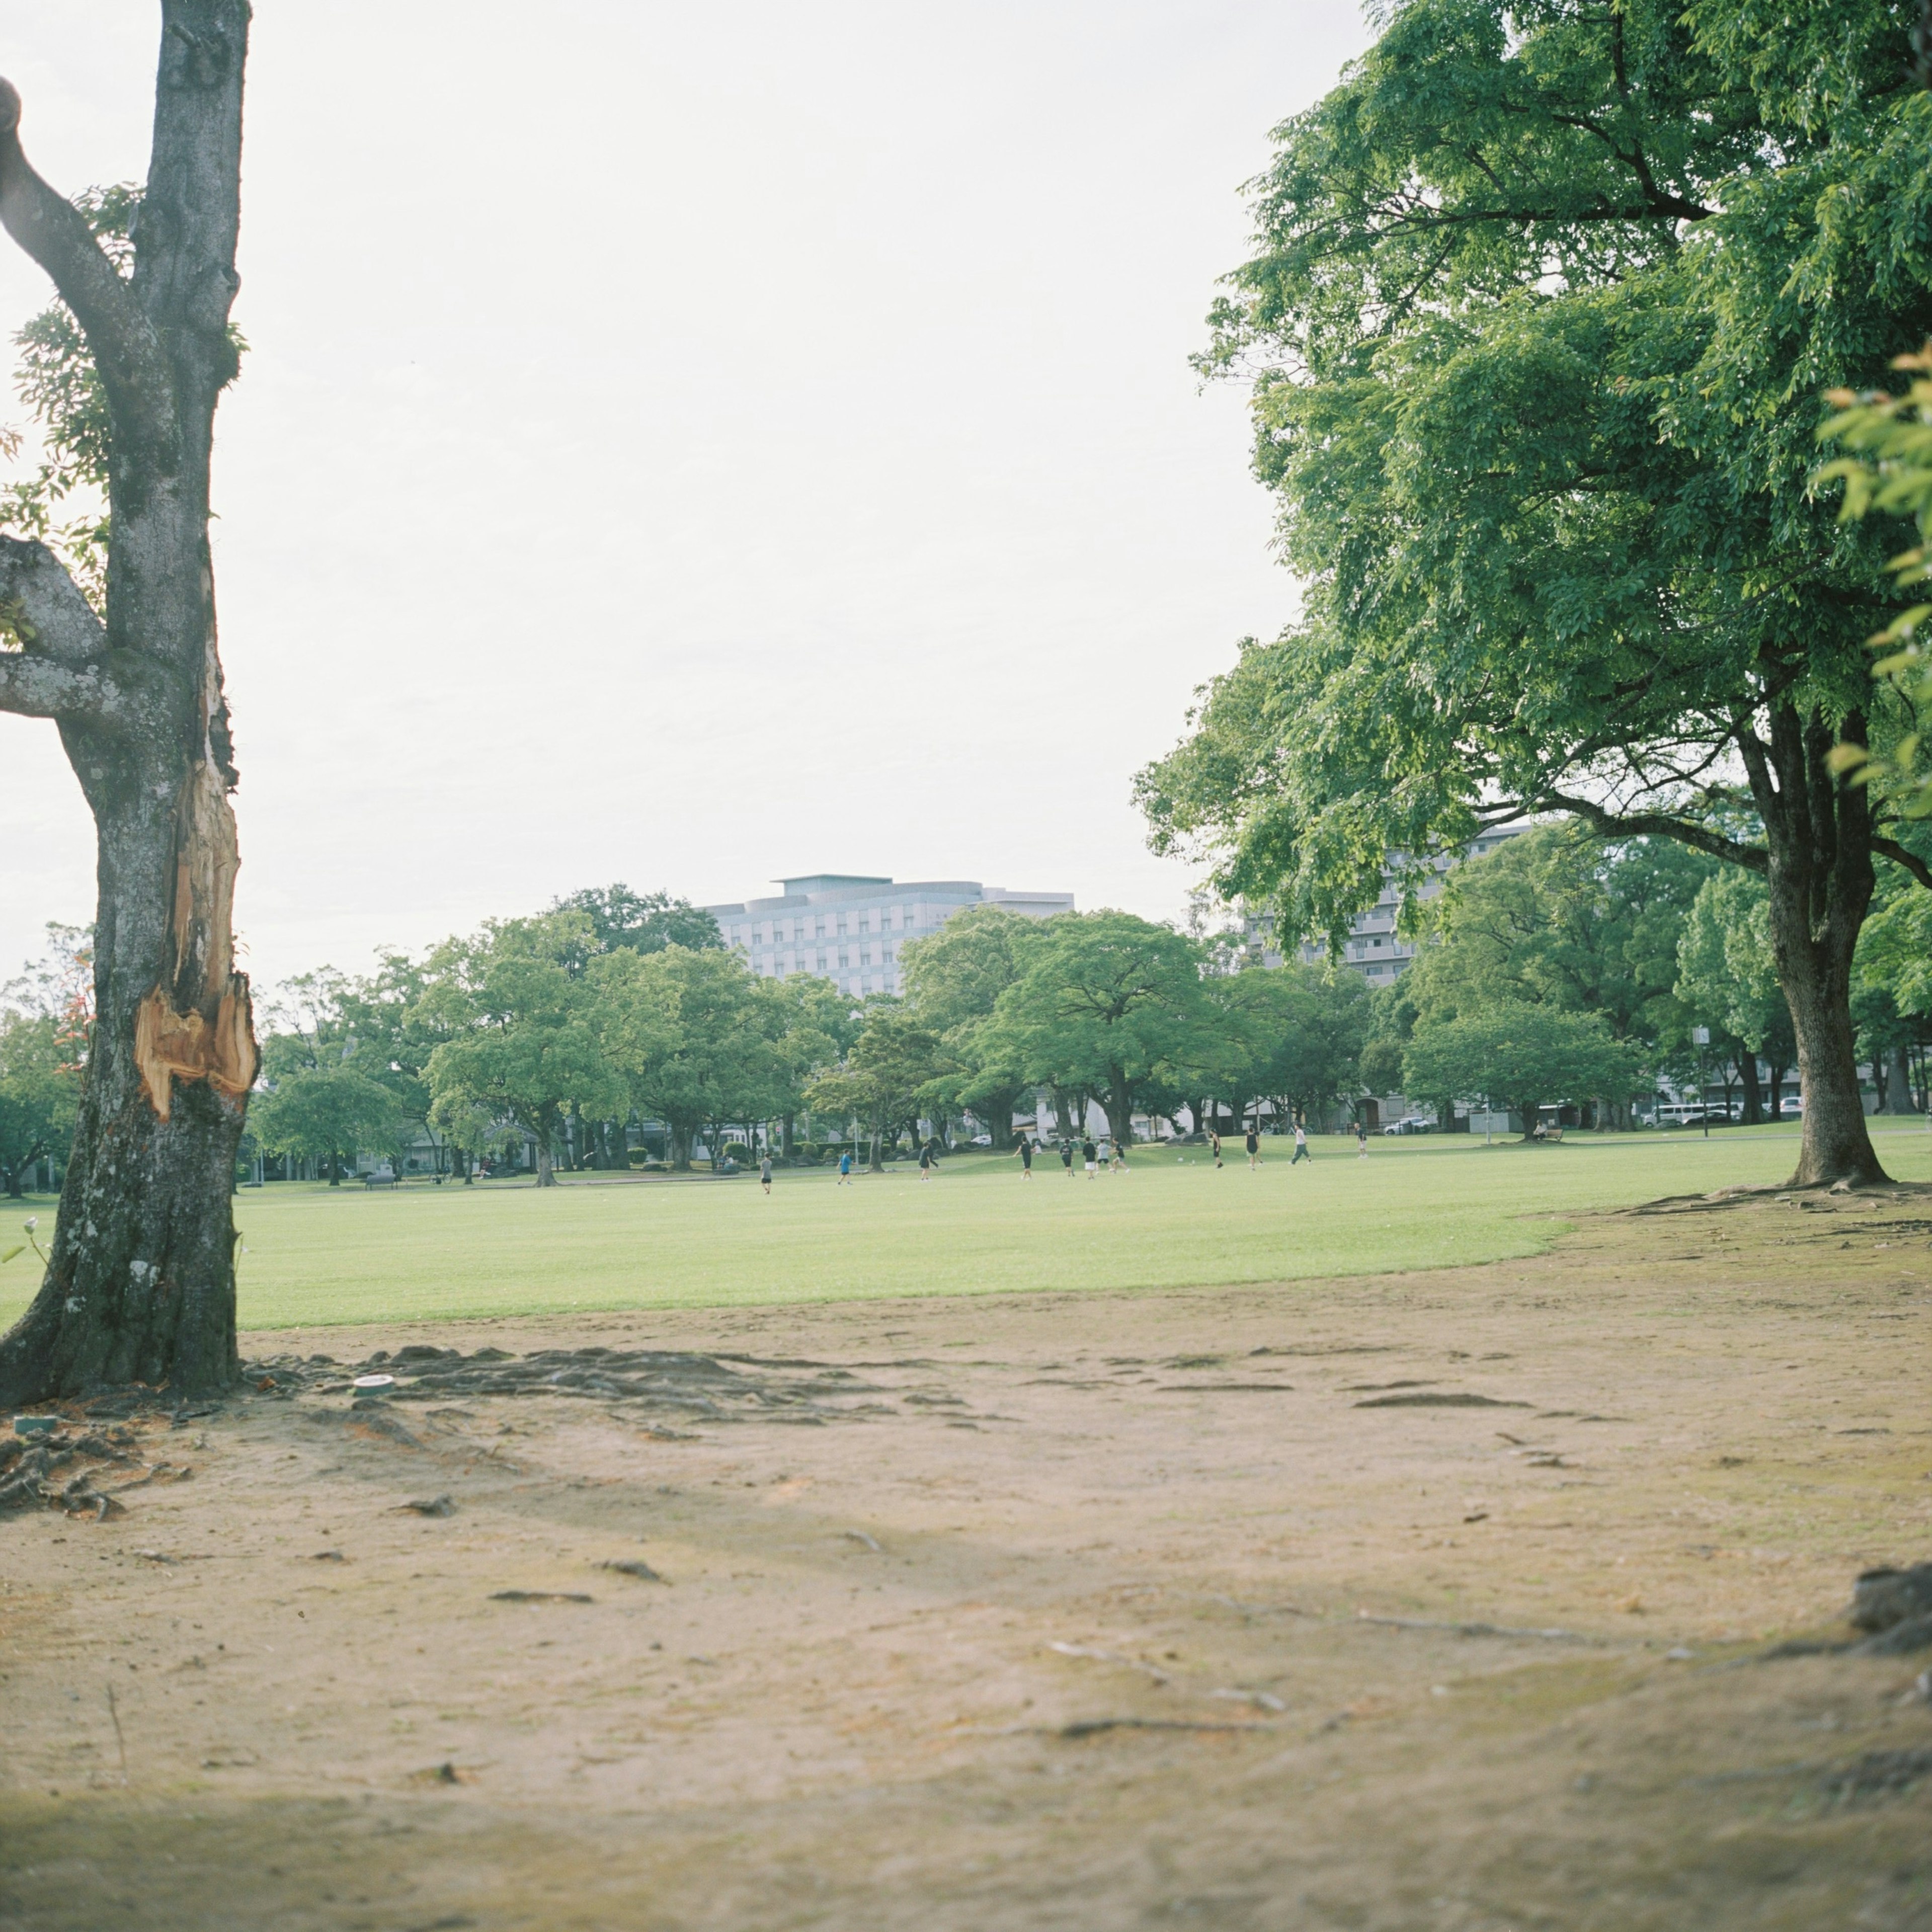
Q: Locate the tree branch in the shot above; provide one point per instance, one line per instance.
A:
(45, 605)
(1900, 855)
(1661, 825)
(33, 686)
(133, 371)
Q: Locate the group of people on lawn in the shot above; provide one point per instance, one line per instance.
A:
(1108, 1152)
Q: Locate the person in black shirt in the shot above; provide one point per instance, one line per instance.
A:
(1066, 1157)
(1090, 1154)
(1254, 1146)
(1026, 1157)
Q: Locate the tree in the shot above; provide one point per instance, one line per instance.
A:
(316, 1104)
(953, 980)
(1726, 982)
(140, 1283)
(1295, 1033)
(1557, 916)
(688, 1034)
(884, 1079)
(1536, 287)
(623, 920)
(1527, 1056)
(813, 1025)
(524, 1041)
(1104, 1002)
(396, 1029)
(37, 1095)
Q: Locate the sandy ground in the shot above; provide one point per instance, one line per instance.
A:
(1080, 1611)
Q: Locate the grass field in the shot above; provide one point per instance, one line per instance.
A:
(315, 1255)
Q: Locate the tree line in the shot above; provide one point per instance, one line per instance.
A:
(565, 1030)
(1561, 967)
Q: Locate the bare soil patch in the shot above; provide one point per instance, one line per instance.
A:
(1073, 1612)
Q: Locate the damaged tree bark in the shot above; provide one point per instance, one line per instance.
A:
(140, 1284)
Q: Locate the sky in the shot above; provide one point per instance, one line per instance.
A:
(692, 445)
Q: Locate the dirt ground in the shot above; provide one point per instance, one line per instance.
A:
(1084, 1611)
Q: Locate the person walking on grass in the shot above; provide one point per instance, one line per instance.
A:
(845, 1168)
(925, 1161)
(765, 1172)
(1214, 1145)
(1254, 1146)
(1119, 1163)
(1301, 1143)
(1090, 1154)
(1026, 1156)
(1066, 1157)
(1361, 1138)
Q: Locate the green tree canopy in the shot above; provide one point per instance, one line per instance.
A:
(1527, 1056)
(886, 1079)
(322, 1096)
(1293, 1033)
(621, 920)
(1725, 979)
(1108, 1003)
(1558, 917)
(39, 1092)
(691, 1036)
(523, 1043)
(953, 980)
(1544, 294)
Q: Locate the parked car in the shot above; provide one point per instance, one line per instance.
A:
(1411, 1123)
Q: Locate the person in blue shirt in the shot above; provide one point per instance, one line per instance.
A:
(845, 1168)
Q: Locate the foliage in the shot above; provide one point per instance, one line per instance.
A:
(622, 920)
(953, 980)
(38, 1094)
(885, 1078)
(1107, 1002)
(690, 1037)
(1559, 917)
(1527, 1056)
(523, 1041)
(1542, 294)
(1891, 471)
(321, 1097)
(1293, 1033)
(1724, 974)
(60, 385)
(811, 1025)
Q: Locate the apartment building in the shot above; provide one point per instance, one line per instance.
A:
(1374, 948)
(849, 927)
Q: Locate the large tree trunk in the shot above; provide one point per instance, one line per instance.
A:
(1754, 1092)
(1818, 834)
(1120, 1105)
(549, 1130)
(140, 1284)
(1897, 1081)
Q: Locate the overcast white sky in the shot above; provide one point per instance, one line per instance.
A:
(690, 445)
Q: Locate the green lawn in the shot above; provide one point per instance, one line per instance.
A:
(314, 1255)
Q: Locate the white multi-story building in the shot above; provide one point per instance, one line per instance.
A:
(850, 929)
(1374, 948)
